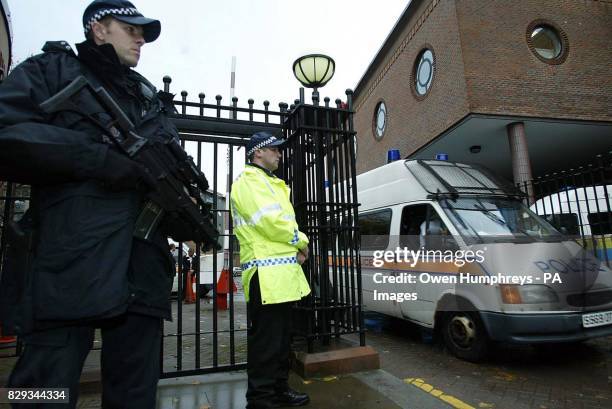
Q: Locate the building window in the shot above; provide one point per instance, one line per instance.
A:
(380, 120)
(423, 73)
(547, 42)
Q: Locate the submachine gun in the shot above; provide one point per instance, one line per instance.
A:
(182, 187)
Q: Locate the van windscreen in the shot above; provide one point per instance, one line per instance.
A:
(493, 219)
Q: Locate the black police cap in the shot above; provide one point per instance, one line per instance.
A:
(123, 11)
(261, 140)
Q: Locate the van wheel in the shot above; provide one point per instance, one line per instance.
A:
(465, 336)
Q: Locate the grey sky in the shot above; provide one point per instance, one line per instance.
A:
(199, 38)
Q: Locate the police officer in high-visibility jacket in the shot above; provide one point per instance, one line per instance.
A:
(272, 250)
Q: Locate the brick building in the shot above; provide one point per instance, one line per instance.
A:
(497, 82)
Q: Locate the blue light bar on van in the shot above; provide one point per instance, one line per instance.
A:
(441, 156)
(393, 155)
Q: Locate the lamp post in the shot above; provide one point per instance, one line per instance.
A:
(314, 71)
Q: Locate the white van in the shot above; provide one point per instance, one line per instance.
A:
(209, 263)
(489, 269)
(207, 269)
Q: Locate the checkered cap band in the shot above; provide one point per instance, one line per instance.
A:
(126, 11)
(262, 144)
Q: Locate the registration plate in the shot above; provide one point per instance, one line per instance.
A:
(597, 319)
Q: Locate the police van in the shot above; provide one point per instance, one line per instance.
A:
(450, 247)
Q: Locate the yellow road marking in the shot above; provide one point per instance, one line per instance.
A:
(505, 376)
(451, 400)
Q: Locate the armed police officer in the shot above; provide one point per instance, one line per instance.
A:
(271, 251)
(87, 270)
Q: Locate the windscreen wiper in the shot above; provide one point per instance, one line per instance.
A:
(499, 220)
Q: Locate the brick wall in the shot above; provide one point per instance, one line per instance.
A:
(483, 65)
(503, 75)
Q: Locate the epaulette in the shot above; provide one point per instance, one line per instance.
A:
(58, 46)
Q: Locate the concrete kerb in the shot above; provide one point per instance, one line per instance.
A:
(355, 391)
(403, 394)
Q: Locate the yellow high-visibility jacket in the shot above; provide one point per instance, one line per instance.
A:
(264, 222)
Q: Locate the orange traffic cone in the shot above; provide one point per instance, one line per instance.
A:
(223, 286)
(190, 296)
(6, 339)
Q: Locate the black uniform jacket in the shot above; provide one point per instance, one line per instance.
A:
(86, 264)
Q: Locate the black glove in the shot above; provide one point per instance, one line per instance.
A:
(121, 173)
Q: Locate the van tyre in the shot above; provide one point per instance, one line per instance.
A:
(465, 336)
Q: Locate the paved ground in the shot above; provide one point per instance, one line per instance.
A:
(575, 376)
(578, 376)
(366, 390)
(180, 352)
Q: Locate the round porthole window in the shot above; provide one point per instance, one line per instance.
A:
(380, 120)
(547, 42)
(423, 74)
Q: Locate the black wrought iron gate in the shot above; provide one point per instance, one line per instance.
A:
(319, 165)
(203, 337)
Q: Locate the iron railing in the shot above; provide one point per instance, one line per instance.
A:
(578, 202)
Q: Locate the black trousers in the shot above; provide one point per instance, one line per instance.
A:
(130, 361)
(269, 345)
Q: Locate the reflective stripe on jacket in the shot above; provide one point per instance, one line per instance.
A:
(264, 222)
